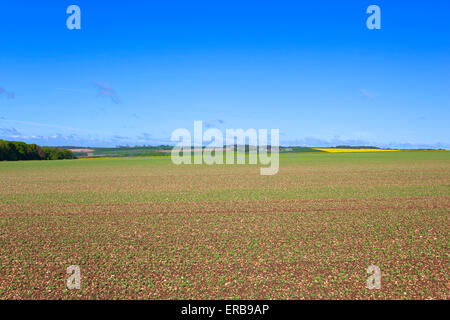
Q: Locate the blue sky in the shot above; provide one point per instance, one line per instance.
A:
(137, 70)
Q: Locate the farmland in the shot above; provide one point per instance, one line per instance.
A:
(144, 228)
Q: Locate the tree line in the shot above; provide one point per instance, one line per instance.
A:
(16, 150)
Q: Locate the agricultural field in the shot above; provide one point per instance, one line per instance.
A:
(121, 151)
(153, 151)
(143, 228)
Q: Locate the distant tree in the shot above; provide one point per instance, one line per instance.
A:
(16, 150)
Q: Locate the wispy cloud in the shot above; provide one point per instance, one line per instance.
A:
(213, 123)
(106, 90)
(8, 94)
(145, 136)
(74, 90)
(95, 140)
(9, 132)
(366, 93)
(39, 124)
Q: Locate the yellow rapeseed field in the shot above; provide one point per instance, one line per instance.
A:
(335, 150)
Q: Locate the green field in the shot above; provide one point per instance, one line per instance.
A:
(155, 151)
(145, 228)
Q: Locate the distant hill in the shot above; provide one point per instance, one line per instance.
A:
(162, 150)
(121, 151)
(297, 149)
